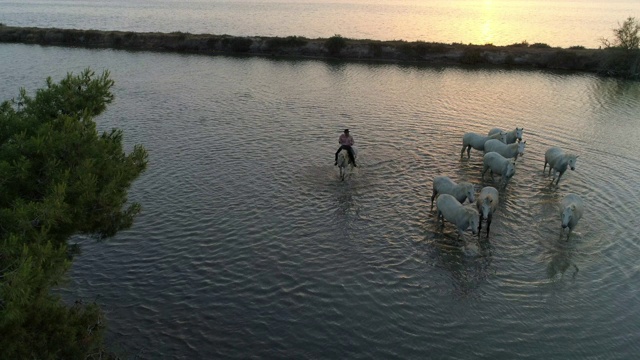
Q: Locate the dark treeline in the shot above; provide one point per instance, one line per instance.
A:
(610, 61)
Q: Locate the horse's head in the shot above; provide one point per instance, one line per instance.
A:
(571, 163)
(510, 169)
(485, 207)
(521, 145)
(474, 220)
(519, 133)
(567, 214)
(469, 191)
(503, 136)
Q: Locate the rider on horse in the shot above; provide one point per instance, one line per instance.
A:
(346, 143)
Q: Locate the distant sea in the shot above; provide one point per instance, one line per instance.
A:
(562, 23)
(249, 246)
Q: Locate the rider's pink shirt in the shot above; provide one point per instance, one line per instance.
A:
(346, 140)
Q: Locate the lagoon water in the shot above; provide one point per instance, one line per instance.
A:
(561, 23)
(249, 245)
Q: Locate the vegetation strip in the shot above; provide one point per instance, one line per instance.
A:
(615, 59)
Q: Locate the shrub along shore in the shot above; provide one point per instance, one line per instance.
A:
(608, 61)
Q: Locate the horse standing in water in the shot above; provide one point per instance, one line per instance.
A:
(559, 162)
(344, 162)
(486, 204)
(571, 209)
(444, 185)
(477, 141)
(512, 136)
(464, 217)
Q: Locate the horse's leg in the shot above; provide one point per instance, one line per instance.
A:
(433, 196)
(545, 166)
(462, 151)
(484, 170)
(559, 176)
(468, 151)
(480, 225)
(351, 158)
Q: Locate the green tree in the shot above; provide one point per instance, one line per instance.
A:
(623, 53)
(58, 177)
(626, 36)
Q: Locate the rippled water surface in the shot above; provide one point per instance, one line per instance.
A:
(501, 22)
(249, 245)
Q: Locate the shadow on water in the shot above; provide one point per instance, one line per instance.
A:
(468, 272)
(559, 254)
(467, 261)
(558, 249)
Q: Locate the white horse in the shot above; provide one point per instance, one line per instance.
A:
(512, 136)
(571, 209)
(344, 162)
(463, 217)
(498, 165)
(477, 141)
(508, 151)
(444, 185)
(486, 204)
(559, 162)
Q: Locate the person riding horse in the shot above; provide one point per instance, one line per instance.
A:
(346, 143)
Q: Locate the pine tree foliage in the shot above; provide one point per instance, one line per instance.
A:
(58, 177)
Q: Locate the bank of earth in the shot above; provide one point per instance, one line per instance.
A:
(541, 56)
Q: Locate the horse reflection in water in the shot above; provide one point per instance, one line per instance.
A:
(345, 202)
(561, 262)
(466, 272)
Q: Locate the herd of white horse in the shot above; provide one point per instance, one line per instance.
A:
(501, 150)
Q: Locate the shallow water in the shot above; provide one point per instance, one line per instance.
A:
(561, 23)
(249, 245)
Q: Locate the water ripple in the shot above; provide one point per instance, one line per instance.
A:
(249, 245)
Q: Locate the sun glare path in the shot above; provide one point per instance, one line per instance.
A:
(486, 33)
